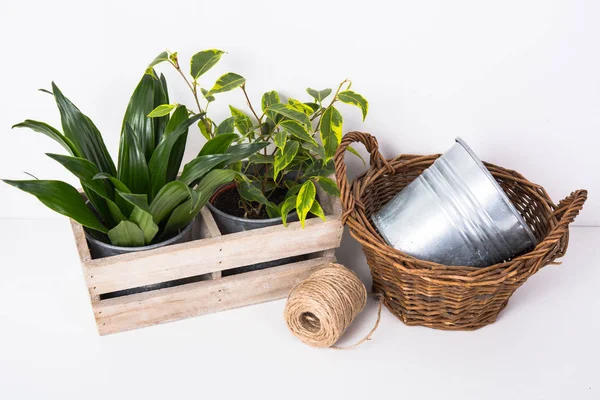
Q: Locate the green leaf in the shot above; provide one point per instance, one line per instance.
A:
(203, 61)
(290, 112)
(226, 126)
(284, 157)
(243, 123)
(218, 145)
(207, 96)
(317, 210)
(251, 193)
(51, 132)
(314, 149)
(298, 130)
(268, 99)
(120, 186)
(204, 130)
(331, 130)
(126, 234)
(133, 170)
(261, 159)
(305, 200)
(99, 193)
(162, 110)
(272, 210)
(350, 97)
(298, 105)
(170, 196)
(352, 150)
(85, 171)
(136, 200)
(179, 116)
(227, 82)
(286, 206)
(62, 198)
(187, 211)
(140, 105)
(83, 133)
(161, 96)
(164, 56)
(328, 185)
(201, 165)
(144, 220)
(280, 139)
(319, 95)
(313, 106)
(159, 163)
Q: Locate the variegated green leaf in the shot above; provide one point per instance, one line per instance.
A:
(319, 95)
(226, 126)
(162, 110)
(203, 61)
(164, 56)
(290, 112)
(268, 99)
(352, 150)
(283, 157)
(243, 123)
(305, 200)
(286, 206)
(227, 82)
(317, 210)
(351, 97)
(207, 96)
(300, 106)
(331, 130)
(280, 138)
(298, 130)
(328, 185)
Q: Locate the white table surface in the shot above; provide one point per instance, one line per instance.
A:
(545, 344)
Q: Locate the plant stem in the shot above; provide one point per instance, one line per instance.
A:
(259, 119)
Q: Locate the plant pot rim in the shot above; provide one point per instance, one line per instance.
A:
(139, 248)
(215, 210)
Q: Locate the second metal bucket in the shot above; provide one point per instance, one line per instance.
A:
(455, 213)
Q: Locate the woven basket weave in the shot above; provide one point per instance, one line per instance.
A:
(439, 296)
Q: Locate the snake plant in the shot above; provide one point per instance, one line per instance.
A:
(142, 200)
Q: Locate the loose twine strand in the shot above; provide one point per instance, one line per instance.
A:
(321, 308)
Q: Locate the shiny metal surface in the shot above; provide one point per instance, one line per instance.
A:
(455, 213)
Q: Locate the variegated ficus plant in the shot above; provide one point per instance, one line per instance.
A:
(304, 137)
(143, 200)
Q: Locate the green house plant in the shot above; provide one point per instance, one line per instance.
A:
(142, 201)
(275, 184)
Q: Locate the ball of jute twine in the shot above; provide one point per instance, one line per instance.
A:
(321, 308)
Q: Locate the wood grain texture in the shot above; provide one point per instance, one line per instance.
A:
(150, 308)
(208, 229)
(212, 254)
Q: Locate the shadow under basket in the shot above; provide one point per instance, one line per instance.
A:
(183, 280)
(424, 293)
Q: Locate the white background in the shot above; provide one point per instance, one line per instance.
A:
(519, 80)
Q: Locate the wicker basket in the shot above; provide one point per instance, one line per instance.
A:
(439, 296)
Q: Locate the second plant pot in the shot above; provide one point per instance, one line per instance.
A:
(228, 223)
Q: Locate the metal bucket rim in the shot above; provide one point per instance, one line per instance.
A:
(241, 219)
(499, 189)
(140, 248)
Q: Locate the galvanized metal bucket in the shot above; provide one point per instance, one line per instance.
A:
(455, 213)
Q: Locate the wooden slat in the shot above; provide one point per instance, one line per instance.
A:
(150, 308)
(208, 229)
(81, 242)
(209, 255)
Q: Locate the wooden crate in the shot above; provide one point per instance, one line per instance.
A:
(206, 257)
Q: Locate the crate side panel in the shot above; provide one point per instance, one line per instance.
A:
(150, 308)
(211, 255)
